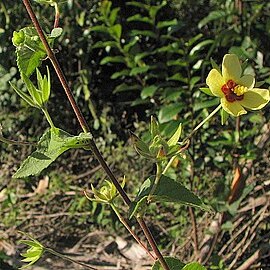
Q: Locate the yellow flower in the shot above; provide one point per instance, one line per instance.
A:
(236, 91)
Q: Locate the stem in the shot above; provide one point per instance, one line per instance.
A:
(57, 16)
(86, 129)
(48, 117)
(123, 221)
(8, 141)
(64, 257)
(203, 122)
(157, 178)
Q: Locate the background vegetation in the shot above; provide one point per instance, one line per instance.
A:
(125, 62)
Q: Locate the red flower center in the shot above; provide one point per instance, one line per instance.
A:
(227, 89)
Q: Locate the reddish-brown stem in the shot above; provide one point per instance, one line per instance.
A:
(86, 128)
(56, 16)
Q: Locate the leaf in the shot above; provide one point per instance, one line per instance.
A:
(207, 91)
(224, 116)
(113, 59)
(193, 266)
(24, 96)
(215, 65)
(212, 16)
(173, 263)
(100, 28)
(116, 31)
(162, 24)
(167, 190)
(138, 70)
(148, 91)
(56, 32)
(168, 112)
(146, 33)
(113, 15)
(29, 50)
(139, 18)
(175, 137)
(125, 87)
(206, 104)
(122, 73)
(104, 44)
(138, 4)
(52, 144)
(200, 46)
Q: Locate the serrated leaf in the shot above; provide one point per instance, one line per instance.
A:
(167, 190)
(173, 263)
(52, 144)
(215, 65)
(113, 15)
(138, 4)
(29, 50)
(100, 28)
(193, 266)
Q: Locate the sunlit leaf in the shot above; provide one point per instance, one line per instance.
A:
(52, 144)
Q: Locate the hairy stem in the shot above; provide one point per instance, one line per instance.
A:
(86, 129)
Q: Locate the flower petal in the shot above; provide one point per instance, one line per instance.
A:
(255, 99)
(231, 68)
(233, 108)
(247, 80)
(215, 81)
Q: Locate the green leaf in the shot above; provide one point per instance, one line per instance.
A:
(215, 65)
(56, 32)
(168, 112)
(52, 144)
(29, 50)
(154, 9)
(113, 59)
(173, 263)
(207, 91)
(138, 70)
(113, 15)
(125, 87)
(162, 24)
(178, 77)
(175, 137)
(200, 46)
(116, 31)
(148, 91)
(167, 190)
(140, 18)
(146, 33)
(193, 266)
(24, 96)
(104, 44)
(122, 73)
(206, 104)
(224, 116)
(100, 28)
(212, 16)
(138, 4)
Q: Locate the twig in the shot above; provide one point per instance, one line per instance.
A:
(86, 128)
